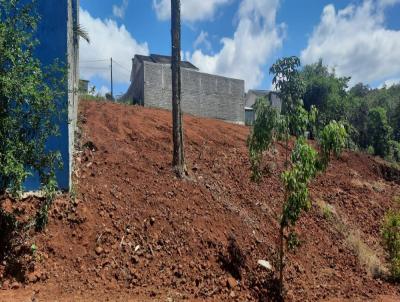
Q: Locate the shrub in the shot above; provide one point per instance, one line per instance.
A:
(299, 121)
(332, 140)
(295, 182)
(391, 240)
(262, 134)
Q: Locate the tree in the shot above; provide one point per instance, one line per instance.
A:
(29, 98)
(290, 88)
(326, 91)
(177, 132)
(295, 182)
(396, 122)
(379, 131)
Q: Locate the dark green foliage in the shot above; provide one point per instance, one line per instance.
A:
(292, 241)
(326, 91)
(391, 240)
(28, 100)
(395, 121)
(394, 151)
(262, 134)
(379, 131)
(367, 128)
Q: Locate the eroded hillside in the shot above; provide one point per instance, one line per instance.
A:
(135, 233)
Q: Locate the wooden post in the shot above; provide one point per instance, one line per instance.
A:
(177, 132)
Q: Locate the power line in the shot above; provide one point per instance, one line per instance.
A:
(120, 65)
(99, 60)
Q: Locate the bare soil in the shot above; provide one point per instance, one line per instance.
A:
(134, 232)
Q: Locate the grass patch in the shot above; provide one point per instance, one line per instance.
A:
(365, 255)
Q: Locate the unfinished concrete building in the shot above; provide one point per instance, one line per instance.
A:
(203, 94)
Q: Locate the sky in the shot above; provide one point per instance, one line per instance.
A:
(243, 38)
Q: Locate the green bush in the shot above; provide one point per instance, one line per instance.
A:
(262, 134)
(391, 240)
(295, 182)
(333, 138)
(29, 96)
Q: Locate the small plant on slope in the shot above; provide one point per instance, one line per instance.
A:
(295, 182)
(332, 141)
(262, 135)
(391, 240)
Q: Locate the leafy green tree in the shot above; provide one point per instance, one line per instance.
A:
(395, 122)
(326, 91)
(379, 131)
(262, 134)
(29, 95)
(360, 90)
(288, 83)
(290, 87)
(332, 140)
(358, 118)
(295, 182)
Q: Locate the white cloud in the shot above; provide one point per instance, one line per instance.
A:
(386, 3)
(191, 10)
(119, 11)
(356, 42)
(390, 82)
(202, 39)
(244, 55)
(103, 90)
(107, 40)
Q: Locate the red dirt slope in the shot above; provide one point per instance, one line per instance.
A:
(136, 233)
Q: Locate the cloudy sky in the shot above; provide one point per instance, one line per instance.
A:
(242, 38)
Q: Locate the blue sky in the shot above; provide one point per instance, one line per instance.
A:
(242, 38)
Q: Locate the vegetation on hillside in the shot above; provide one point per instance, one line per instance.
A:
(29, 96)
(371, 116)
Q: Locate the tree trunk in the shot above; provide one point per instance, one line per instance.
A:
(281, 261)
(177, 132)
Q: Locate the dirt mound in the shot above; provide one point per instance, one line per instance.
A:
(133, 232)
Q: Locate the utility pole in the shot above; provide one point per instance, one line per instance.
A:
(112, 92)
(177, 132)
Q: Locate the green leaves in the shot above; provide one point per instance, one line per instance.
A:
(332, 140)
(29, 98)
(288, 83)
(391, 239)
(262, 134)
(296, 180)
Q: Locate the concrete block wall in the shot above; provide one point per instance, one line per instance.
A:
(202, 94)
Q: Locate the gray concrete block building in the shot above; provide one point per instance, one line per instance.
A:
(203, 94)
(252, 96)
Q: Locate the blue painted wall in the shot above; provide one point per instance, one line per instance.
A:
(54, 31)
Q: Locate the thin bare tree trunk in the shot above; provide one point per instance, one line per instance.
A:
(177, 132)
